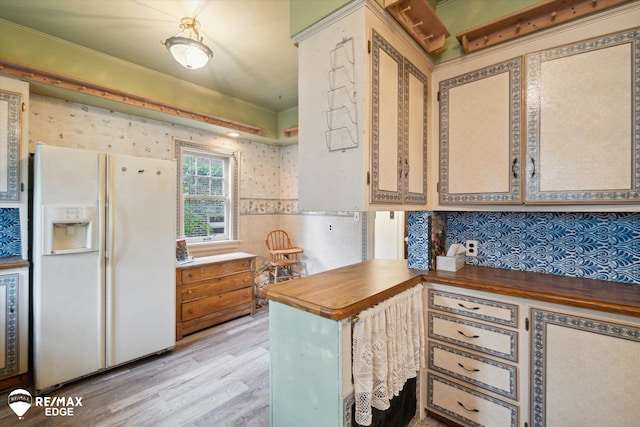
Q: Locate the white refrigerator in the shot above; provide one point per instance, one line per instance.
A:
(103, 261)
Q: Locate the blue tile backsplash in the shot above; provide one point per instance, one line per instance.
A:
(10, 241)
(602, 246)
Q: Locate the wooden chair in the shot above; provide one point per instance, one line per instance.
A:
(284, 257)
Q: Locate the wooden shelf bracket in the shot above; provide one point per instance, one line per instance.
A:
(420, 21)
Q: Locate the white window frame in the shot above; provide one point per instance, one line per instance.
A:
(231, 187)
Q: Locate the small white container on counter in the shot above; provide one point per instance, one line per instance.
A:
(450, 263)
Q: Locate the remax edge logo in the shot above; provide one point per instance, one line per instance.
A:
(20, 401)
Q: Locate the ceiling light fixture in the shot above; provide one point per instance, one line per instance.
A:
(189, 50)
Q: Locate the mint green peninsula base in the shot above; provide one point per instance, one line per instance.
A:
(307, 368)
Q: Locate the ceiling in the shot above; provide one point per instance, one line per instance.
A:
(254, 58)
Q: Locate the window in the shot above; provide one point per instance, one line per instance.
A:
(208, 193)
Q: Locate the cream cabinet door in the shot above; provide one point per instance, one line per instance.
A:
(14, 321)
(399, 127)
(13, 99)
(583, 105)
(480, 136)
(414, 142)
(584, 371)
(386, 155)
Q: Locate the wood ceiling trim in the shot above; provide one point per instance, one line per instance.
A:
(38, 75)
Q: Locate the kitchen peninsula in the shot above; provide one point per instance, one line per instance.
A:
(310, 330)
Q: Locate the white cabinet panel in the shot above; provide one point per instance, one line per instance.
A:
(399, 129)
(582, 110)
(470, 407)
(14, 318)
(488, 374)
(480, 127)
(476, 336)
(585, 370)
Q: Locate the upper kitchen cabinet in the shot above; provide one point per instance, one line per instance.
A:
(583, 132)
(14, 269)
(362, 113)
(480, 127)
(14, 98)
(548, 122)
(399, 127)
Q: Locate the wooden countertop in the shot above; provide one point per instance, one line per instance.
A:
(214, 258)
(343, 292)
(13, 262)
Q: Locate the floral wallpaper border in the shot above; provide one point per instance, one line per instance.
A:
(260, 206)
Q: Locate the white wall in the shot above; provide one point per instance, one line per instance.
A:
(389, 235)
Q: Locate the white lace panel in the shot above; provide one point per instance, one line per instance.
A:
(388, 349)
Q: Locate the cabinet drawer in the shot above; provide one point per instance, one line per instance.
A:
(477, 336)
(489, 374)
(216, 286)
(204, 306)
(196, 274)
(479, 308)
(468, 406)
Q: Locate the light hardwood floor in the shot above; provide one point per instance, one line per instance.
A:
(216, 377)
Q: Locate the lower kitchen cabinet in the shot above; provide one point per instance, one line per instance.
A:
(475, 358)
(585, 369)
(497, 360)
(14, 318)
(212, 290)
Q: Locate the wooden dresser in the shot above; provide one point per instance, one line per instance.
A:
(212, 290)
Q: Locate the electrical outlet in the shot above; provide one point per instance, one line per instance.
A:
(330, 227)
(472, 247)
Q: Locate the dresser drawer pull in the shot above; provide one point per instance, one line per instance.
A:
(468, 308)
(467, 409)
(468, 336)
(467, 369)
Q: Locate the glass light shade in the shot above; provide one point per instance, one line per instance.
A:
(188, 52)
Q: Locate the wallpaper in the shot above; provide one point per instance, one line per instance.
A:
(602, 246)
(10, 241)
(66, 124)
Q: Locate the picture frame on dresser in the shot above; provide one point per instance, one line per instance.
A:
(10, 136)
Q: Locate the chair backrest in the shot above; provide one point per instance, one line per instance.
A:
(278, 239)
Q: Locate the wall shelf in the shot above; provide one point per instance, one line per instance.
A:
(420, 21)
(529, 20)
(37, 75)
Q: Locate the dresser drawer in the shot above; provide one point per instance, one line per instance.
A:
(479, 308)
(216, 286)
(489, 374)
(468, 406)
(195, 274)
(477, 336)
(204, 306)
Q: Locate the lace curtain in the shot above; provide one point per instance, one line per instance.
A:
(388, 349)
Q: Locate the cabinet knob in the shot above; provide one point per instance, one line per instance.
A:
(190, 291)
